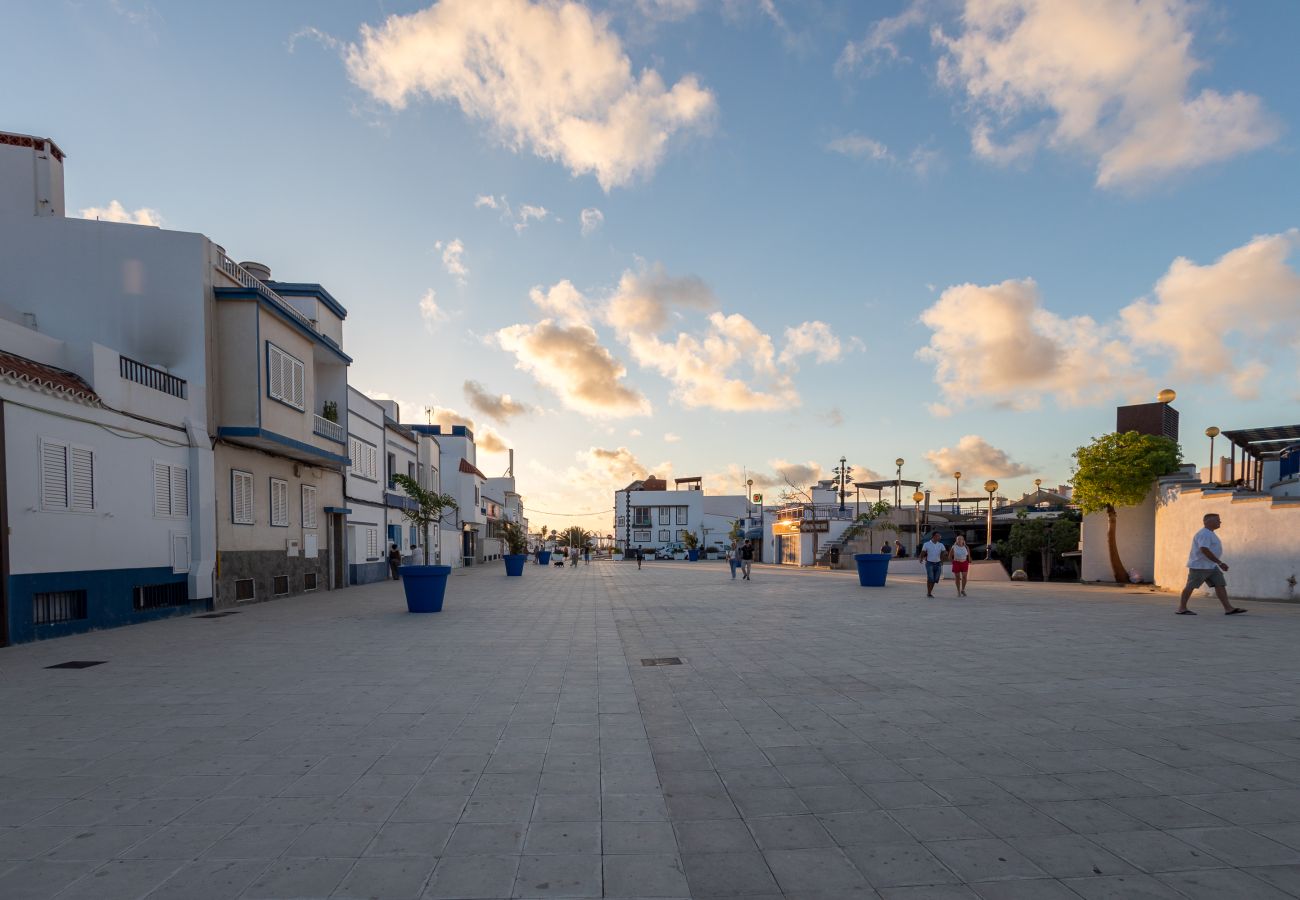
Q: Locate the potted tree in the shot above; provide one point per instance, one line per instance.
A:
(543, 555)
(426, 585)
(692, 546)
(516, 540)
(873, 568)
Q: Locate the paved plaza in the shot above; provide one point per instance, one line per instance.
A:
(819, 740)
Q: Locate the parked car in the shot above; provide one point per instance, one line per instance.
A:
(667, 551)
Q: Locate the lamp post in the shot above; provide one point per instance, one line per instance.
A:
(898, 481)
(842, 475)
(749, 497)
(956, 506)
(917, 497)
(1038, 489)
(989, 486)
(1212, 432)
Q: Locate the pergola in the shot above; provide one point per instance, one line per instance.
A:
(1258, 444)
(879, 486)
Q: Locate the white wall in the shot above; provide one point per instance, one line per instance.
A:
(1135, 536)
(404, 449)
(366, 423)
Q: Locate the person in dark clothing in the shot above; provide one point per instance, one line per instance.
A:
(394, 560)
(747, 558)
(640, 555)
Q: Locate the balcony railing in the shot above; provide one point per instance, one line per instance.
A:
(151, 377)
(327, 429)
(818, 511)
(245, 278)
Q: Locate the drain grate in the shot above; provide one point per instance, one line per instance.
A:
(662, 661)
(78, 664)
(218, 615)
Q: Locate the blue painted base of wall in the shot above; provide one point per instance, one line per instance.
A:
(368, 573)
(110, 598)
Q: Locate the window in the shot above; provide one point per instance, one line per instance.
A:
(279, 585)
(641, 536)
(664, 535)
(477, 499)
(67, 477)
(365, 458)
(245, 589)
(58, 606)
(392, 468)
(665, 515)
(157, 596)
(171, 491)
(681, 534)
(681, 515)
(308, 506)
(372, 543)
(279, 502)
(414, 536)
(285, 378)
(241, 497)
(622, 520)
(309, 581)
(410, 472)
(641, 516)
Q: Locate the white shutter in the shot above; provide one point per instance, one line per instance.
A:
(241, 492)
(162, 489)
(275, 371)
(354, 451)
(54, 476)
(81, 479)
(279, 502)
(299, 385)
(308, 506)
(180, 491)
(372, 542)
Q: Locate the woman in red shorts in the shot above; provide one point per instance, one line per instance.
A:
(960, 564)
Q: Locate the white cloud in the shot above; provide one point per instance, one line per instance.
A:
(116, 212)
(592, 219)
(1216, 321)
(670, 438)
(645, 298)
(430, 311)
(860, 146)
(996, 343)
(1110, 79)
(527, 212)
(811, 339)
(976, 458)
(881, 42)
(563, 301)
(549, 77)
(453, 253)
(485, 200)
(496, 406)
(486, 438)
(570, 360)
(668, 10)
(518, 218)
(635, 432)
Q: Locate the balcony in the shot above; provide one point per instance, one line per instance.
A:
(151, 377)
(329, 430)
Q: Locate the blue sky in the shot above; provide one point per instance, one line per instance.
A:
(839, 185)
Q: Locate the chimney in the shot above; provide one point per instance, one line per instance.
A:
(31, 175)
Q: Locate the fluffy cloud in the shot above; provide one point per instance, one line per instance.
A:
(486, 437)
(1110, 79)
(881, 42)
(670, 438)
(550, 77)
(860, 146)
(570, 360)
(996, 342)
(643, 299)
(592, 219)
(811, 339)
(563, 301)
(453, 253)
(517, 217)
(1198, 312)
(116, 212)
(976, 458)
(430, 311)
(496, 406)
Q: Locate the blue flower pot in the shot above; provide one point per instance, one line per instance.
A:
(515, 563)
(693, 555)
(425, 587)
(544, 557)
(873, 568)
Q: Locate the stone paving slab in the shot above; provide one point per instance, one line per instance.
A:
(819, 740)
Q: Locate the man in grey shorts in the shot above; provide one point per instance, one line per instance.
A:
(1204, 566)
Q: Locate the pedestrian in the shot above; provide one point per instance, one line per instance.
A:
(640, 556)
(960, 564)
(573, 557)
(394, 560)
(886, 550)
(932, 553)
(1206, 566)
(747, 558)
(733, 559)
(586, 556)
(899, 551)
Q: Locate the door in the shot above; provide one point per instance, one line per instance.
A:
(338, 552)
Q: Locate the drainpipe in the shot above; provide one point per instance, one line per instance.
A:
(203, 513)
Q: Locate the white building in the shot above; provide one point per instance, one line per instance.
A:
(463, 530)
(401, 454)
(649, 516)
(364, 490)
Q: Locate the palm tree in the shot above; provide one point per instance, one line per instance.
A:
(574, 536)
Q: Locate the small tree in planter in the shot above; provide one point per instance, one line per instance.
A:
(692, 542)
(873, 567)
(516, 540)
(425, 585)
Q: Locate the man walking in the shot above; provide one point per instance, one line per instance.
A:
(394, 560)
(747, 558)
(1204, 566)
(640, 555)
(733, 560)
(932, 552)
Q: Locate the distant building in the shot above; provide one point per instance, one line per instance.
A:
(365, 489)
(648, 516)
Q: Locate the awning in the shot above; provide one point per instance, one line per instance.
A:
(754, 534)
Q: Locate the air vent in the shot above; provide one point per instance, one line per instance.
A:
(309, 581)
(157, 596)
(218, 615)
(58, 606)
(245, 589)
(78, 664)
(662, 661)
(280, 585)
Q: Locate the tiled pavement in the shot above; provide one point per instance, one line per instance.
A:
(820, 741)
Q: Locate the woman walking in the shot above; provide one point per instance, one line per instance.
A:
(960, 554)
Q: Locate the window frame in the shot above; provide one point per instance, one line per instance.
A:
(284, 484)
(252, 497)
(683, 514)
(69, 504)
(292, 400)
(665, 536)
(642, 517)
(308, 521)
(172, 470)
(665, 515)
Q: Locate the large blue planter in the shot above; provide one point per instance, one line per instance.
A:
(425, 587)
(873, 568)
(515, 563)
(693, 555)
(544, 557)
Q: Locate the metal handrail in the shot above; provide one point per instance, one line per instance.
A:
(248, 280)
(133, 370)
(327, 429)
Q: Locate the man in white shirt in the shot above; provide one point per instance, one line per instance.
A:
(932, 555)
(1204, 566)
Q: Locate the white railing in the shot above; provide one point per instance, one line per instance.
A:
(245, 278)
(327, 429)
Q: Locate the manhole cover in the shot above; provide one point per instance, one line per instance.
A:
(218, 615)
(662, 661)
(78, 664)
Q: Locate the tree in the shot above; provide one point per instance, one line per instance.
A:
(430, 507)
(1117, 470)
(1045, 536)
(737, 531)
(515, 537)
(868, 519)
(574, 536)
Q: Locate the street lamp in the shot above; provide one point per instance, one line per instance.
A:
(1212, 432)
(749, 497)
(956, 506)
(898, 480)
(1038, 490)
(989, 486)
(917, 497)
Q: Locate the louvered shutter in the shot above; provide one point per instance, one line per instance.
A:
(180, 491)
(81, 479)
(308, 506)
(275, 371)
(299, 385)
(162, 489)
(279, 502)
(54, 476)
(242, 497)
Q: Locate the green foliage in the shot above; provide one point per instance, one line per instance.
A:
(869, 520)
(574, 536)
(737, 531)
(429, 510)
(691, 540)
(1041, 535)
(515, 537)
(1117, 469)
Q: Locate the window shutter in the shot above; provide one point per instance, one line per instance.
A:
(275, 371)
(279, 502)
(54, 476)
(242, 497)
(299, 385)
(180, 491)
(162, 503)
(81, 479)
(308, 506)
(354, 451)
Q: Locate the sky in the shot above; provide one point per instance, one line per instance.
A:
(738, 239)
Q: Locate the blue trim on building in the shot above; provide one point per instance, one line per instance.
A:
(248, 294)
(110, 600)
(455, 430)
(308, 289)
(338, 510)
(247, 431)
(399, 501)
